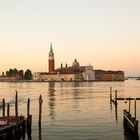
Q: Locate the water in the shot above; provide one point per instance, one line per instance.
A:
(74, 111)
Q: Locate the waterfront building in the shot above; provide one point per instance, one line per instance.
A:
(102, 75)
(75, 72)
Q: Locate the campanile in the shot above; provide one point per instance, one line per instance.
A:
(51, 59)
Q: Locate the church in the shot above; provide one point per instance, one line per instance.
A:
(75, 72)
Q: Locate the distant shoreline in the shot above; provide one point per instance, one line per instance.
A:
(31, 81)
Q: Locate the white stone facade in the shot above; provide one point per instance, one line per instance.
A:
(89, 74)
(38, 76)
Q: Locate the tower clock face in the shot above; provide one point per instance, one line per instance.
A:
(51, 58)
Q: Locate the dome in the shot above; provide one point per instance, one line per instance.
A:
(75, 63)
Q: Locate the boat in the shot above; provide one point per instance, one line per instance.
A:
(138, 78)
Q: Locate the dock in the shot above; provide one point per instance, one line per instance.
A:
(15, 126)
(128, 98)
(129, 122)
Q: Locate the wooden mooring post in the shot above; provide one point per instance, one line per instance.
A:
(135, 109)
(28, 107)
(17, 128)
(3, 107)
(116, 113)
(110, 94)
(129, 105)
(115, 98)
(8, 114)
(16, 106)
(9, 132)
(130, 121)
(114, 101)
(40, 110)
(29, 118)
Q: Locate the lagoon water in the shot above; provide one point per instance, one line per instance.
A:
(74, 110)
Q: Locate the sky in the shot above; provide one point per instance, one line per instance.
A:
(102, 33)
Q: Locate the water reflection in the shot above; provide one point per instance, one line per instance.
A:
(29, 136)
(85, 105)
(116, 113)
(116, 110)
(51, 101)
(75, 91)
(110, 106)
(40, 133)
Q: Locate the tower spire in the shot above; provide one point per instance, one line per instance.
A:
(51, 49)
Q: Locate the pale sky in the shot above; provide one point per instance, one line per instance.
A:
(103, 33)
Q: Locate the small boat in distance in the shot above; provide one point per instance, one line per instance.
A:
(138, 78)
(126, 78)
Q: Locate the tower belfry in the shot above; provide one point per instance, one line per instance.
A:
(51, 59)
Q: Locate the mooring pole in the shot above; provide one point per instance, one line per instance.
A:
(116, 113)
(110, 93)
(28, 108)
(8, 113)
(40, 135)
(135, 107)
(40, 110)
(129, 104)
(116, 97)
(3, 107)
(16, 106)
(9, 131)
(28, 113)
(29, 117)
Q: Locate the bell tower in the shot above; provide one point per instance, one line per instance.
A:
(51, 59)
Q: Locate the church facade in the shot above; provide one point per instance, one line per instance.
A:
(75, 72)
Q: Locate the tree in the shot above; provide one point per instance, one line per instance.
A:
(3, 74)
(10, 72)
(7, 73)
(14, 72)
(28, 75)
(21, 74)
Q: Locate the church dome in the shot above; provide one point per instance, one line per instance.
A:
(75, 63)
